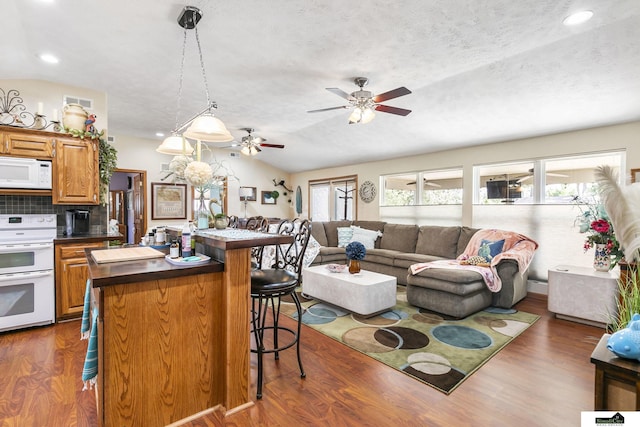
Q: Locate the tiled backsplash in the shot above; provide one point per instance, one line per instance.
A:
(43, 205)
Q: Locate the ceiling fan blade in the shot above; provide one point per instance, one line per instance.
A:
(392, 110)
(272, 145)
(524, 178)
(341, 93)
(401, 91)
(328, 109)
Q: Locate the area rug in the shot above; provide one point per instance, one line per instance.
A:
(430, 347)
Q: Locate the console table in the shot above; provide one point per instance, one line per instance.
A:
(582, 294)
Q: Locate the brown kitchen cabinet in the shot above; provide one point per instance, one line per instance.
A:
(26, 143)
(71, 277)
(75, 171)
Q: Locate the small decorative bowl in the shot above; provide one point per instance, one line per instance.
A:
(336, 268)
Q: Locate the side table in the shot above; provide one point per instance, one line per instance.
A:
(582, 294)
(617, 380)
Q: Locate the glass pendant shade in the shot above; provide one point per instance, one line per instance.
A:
(209, 129)
(367, 115)
(175, 145)
(355, 116)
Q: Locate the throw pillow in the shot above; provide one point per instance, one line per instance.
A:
(344, 236)
(489, 249)
(366, 237)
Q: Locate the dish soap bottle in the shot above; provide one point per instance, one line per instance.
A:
(186, 241)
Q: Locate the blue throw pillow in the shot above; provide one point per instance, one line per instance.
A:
(344, 236)
(489, 249)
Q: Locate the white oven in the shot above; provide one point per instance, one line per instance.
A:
(27, 294)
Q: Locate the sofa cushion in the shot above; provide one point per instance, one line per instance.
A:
(437, 240)
(381, 256)
(318, 233)
(489, 249)
(364, 236)
(331, 230)
(399, 237)
(465, 236)
(344, 236)
(371, 225)
(405, 260)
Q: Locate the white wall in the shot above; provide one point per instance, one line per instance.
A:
(51, 95)
(140, 154)
(551, 226)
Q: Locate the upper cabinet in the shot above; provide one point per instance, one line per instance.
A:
(76, 176)
(26, 144)
(75, 171)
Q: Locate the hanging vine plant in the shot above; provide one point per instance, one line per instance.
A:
(108, 159)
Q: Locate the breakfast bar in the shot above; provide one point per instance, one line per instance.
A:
(173, 341)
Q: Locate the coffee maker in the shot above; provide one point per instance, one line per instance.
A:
(78, 222)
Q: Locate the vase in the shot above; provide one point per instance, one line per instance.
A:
(221, 223)
(602, 258)
(202, 214)
(354, 266)
(74, 116)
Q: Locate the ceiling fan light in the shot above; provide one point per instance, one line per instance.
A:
(245, 150)
(175, 145)
(209, 129)
(356, 116)
(367, 115)
(253, 150)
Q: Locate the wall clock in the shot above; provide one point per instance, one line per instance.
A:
(367, 191)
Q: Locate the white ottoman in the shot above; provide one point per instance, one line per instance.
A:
(366, 293)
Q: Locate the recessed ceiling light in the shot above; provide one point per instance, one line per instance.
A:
(578, 17)
(160, 134)
(48, 58)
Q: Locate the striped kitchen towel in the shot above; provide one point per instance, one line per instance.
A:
(86, 313)
(90, 369)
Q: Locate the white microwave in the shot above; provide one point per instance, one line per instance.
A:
(18, 172)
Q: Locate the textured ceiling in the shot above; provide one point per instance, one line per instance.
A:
(480, 71)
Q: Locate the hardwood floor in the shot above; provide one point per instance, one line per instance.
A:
(542, 378)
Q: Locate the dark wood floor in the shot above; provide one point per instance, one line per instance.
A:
(542, 378)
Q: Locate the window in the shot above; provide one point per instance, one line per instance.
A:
(440, 187)
(333, 199)
(551, 181)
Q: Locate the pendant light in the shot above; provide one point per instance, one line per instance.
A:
(203, 126)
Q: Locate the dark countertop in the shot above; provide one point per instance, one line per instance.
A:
(89, 238)
(117, 273)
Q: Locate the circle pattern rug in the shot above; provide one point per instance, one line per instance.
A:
(433, 348)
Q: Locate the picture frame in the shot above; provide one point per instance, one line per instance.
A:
(250, 198)
(168, 201)
(635, 175)
(267, 199)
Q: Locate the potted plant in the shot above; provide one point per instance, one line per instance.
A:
(621, 206)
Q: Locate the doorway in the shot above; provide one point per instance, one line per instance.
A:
(127, 202)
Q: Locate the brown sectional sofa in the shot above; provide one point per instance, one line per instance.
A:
(457, 293)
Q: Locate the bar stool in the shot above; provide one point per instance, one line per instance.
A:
(268, 287)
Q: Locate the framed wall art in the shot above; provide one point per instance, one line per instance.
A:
(635, 175)
(267, 198)
(168, 201)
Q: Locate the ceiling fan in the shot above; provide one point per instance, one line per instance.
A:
(250, 144)
(530, 175)
(364, 102)
(426, 183)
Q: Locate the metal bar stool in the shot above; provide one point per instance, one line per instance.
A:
(269, 285)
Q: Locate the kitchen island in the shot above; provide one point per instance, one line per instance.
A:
(173, 342)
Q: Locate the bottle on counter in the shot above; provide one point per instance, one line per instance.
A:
(186, 241)
(174, 249)
(160, 236)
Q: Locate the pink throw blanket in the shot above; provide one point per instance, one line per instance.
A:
(516, 246)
